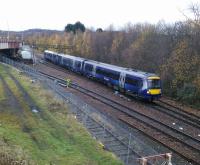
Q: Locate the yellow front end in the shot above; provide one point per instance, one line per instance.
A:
(154, 91)
(154, 87)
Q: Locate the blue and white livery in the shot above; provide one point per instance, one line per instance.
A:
(132, 82)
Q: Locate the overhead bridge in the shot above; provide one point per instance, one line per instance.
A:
(9, 48)
(9, 45)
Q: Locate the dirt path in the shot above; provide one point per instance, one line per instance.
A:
(33, 106)
(11, 103)
(27, 98)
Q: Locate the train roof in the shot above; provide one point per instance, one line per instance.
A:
(66, 55)
(72, 57)
(129, 71)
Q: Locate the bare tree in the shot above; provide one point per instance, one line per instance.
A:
(195, 9)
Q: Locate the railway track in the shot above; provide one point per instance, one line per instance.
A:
(179, 111)
(113, 140)
(179, 141)
(174, 112)
(184, 145)
(188, 118)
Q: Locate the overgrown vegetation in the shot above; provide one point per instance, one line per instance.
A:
(170, 50)
(51, 136)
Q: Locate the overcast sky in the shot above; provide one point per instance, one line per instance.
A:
(55, 14)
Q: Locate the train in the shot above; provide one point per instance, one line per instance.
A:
(130, 81)
(25, 54)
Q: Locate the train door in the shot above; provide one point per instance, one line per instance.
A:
(73, 64)
(122, 80)
(94, 71)
(83, 66)
(61, 61)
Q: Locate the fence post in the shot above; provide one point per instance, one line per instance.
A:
(55, 83)
(129, 143)
(169, 157)
(144, 161)
(104, 132)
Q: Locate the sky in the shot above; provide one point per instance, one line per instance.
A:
(56, 14)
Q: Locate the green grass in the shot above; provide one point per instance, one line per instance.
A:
(2, 92)
(51, 136)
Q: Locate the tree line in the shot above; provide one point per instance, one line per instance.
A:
(171, 51)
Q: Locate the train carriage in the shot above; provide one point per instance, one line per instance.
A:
(133, 82)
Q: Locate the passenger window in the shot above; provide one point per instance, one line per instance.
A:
(131, 81)
(78, 64)
(88, 67)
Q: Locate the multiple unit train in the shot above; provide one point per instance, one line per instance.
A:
(132, 82)
(26, 54)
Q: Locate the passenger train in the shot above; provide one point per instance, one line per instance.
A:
(26, 54)
(133, 82)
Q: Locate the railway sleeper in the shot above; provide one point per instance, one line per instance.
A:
(119, 148)
(81, 119)
(107, 136)
(91, 123)
(123, 153)
(120, 152)
(114, 143)
(110, 140)
(100, 131)
(94, 127)
(104, 137)
(97, 128)
(131, 159)
(99, 134)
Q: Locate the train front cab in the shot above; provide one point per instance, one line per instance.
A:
(153, 90)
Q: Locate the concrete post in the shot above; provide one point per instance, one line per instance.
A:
(129, 143)
(169, 157)
(144, 161)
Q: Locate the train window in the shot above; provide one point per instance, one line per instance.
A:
(131, 81)
(154, 84)
(140, 83)
(115, 75)
(67, 62)
(78, 64)
(98, 71)
(88, 67)
(108, 73)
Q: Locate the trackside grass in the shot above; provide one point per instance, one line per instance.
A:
(50, 136)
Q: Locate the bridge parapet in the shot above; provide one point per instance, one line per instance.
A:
(4, 44)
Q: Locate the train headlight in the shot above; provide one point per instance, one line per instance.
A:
(148, 92)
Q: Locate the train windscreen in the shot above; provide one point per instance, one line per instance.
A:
(154, 84)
